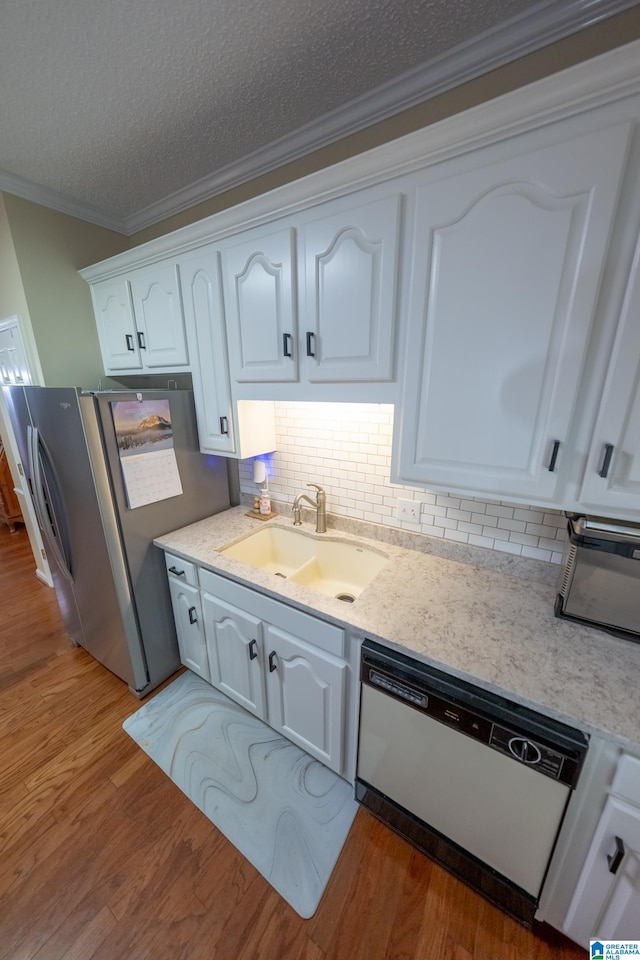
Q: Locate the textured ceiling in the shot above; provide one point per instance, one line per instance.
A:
(119, 104)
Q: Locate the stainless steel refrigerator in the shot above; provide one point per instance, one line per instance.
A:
(109, 578)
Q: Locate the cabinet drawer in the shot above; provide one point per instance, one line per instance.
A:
(182, 570)
(318, 632)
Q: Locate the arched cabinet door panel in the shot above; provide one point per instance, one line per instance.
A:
(116, 325)
(234, 642)
(349, 265)
(160, 330)
(508, 252)
(257, 275)
(612, 479)
(185, 600)
(202, 304)
(306, 693)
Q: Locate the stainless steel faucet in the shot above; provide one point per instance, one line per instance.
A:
(320, 504)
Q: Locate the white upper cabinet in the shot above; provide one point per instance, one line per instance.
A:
(612, 480)
(508, 249)
(155, 293)
(348, 270)
(259, 303)
(238, 429)
(140, 322)
(116, 326)
(204, 318)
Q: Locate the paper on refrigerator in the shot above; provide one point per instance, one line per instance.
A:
(145, 445)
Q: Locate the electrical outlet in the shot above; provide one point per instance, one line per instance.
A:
(408, 510)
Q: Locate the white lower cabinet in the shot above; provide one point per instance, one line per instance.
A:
(187, 614)
(606, 901)
(234, 639)
(305, 694)
(284, 666)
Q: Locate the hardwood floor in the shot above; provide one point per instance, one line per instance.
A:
(103, 858)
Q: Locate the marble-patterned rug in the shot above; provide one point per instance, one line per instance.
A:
(288, 814)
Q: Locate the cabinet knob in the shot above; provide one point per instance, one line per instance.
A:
(192, 615)
(614, 860)
(272, 661)
(253, 650)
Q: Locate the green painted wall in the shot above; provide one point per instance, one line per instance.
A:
(49, 249)
(13, 302)
(593, 40)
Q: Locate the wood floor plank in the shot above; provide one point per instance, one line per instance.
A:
(103, 858)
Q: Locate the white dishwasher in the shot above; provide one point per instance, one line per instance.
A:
(479, 783)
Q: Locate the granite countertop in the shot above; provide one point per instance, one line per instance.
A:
(486, 625)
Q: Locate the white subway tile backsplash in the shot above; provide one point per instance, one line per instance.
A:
(541, 530)
(498, 510)
(518, 526)
(347, 449)
(532, 516)
(457, 535)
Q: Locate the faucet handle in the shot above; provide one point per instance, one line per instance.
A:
(317, 486)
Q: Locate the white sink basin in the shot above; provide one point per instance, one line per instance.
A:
(334, 567)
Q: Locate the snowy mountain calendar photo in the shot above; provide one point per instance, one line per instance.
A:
(145, 444)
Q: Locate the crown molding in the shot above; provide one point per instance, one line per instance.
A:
(28, 190)
(613, 76)
(542, 24)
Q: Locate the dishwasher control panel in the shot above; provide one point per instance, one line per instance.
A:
(542, 758)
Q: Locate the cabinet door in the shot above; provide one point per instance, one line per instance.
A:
(116, 326)
(507, 258)
(234, 642)
(259, 303)
(612, 478)
(349, 263)
(157, 309)
(306, 695)
(606, 904)
(188, 618)
(204, 318)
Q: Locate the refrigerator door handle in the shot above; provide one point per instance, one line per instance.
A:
(37, 451)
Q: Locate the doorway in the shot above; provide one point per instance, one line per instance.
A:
(15, 369)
